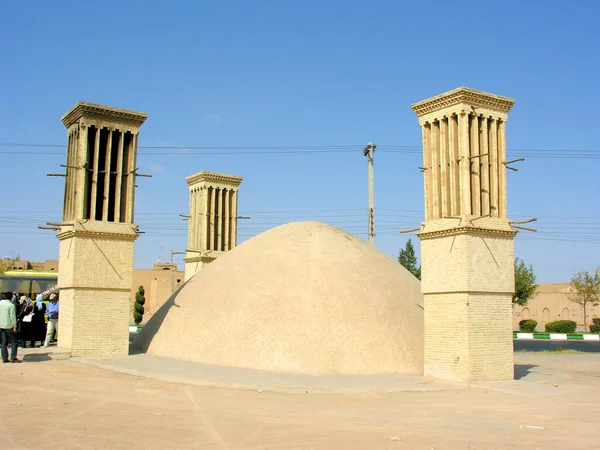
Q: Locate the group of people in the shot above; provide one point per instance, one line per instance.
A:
(23, 321)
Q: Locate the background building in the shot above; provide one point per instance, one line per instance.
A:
(551, 303)
(50, 265)
(158, 282)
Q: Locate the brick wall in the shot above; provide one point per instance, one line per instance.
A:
(95, 281)
(467, 282)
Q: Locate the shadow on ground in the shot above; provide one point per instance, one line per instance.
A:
(522, 370)
(37, 357)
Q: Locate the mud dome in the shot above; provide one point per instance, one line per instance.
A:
(304, 297)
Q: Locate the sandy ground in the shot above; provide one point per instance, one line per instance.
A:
(64, 404)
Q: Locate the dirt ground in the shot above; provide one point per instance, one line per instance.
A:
(62, 404)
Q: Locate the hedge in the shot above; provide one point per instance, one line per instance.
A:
(527, 326)
(561, 326)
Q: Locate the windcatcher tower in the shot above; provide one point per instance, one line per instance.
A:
(98, 234)
(467, 248)
(213, 216)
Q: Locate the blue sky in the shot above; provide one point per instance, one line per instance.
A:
(303, 73)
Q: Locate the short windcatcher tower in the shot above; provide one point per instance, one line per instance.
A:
(467, 248)
(97, 234)
(213, 218)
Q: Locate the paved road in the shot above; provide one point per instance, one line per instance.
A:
(534, 345)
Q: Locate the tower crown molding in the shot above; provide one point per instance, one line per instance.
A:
(463, 99)
(452, 226)
(99, 230)
(102, 113)
(212, 177)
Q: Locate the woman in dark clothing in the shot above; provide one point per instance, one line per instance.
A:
(38, 324)
(20, 312)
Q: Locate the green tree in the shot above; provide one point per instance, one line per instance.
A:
(138, 305)
(525, 283)
(585, 292)
(408, 259)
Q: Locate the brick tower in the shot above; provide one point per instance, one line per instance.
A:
(212, 228)
(467, 248)
(98, 234)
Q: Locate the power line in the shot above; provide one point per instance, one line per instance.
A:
(304, 149)
(347, 147)
(551, 228)
(354, 223)
(213, 147)
(353, 230)
(418, 212)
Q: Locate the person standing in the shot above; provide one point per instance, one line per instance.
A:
(21, 307)
(52, 313)
(26, 331)
(8, 330)
(39, 322)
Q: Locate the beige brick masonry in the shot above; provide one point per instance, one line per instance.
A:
(467, 282)
(95, 277)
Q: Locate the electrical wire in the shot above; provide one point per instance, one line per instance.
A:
(354, 220)
(301, 149)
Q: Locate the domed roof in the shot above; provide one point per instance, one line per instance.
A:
(304, 297)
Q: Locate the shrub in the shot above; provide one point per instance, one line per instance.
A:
(528, 326)
(595, 328)
(596, 320)
(561, 326)
(138, 306)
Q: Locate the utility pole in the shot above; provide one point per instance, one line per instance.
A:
(171, 269)
(369, 151)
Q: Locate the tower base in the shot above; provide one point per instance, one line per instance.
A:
(468, 336)
(94, 322)
(95, 278)
(467, 284)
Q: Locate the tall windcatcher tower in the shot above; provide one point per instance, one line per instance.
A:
(97, 234)
(467, 248)
(212, 228)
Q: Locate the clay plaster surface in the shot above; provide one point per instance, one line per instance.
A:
(301, 298)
